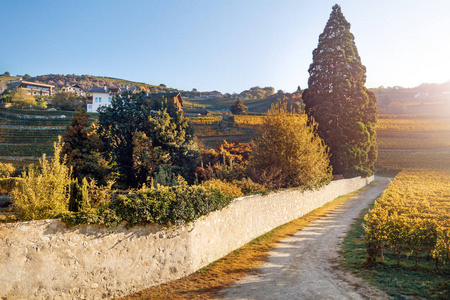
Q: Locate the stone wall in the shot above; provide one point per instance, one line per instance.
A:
(44, 259)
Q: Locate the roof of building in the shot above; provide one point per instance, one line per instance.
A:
(78, 86)
(36, 83)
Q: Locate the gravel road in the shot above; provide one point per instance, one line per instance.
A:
(306, 265)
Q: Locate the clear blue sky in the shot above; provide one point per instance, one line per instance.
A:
(227, 45)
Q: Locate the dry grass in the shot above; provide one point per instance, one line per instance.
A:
(207, 282)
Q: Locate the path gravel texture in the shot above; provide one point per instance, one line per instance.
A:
(306, 265)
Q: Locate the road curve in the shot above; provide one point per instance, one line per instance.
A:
(306, 265)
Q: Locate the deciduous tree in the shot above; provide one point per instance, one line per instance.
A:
(288, 152)
(337, 99)
(21, 98)
(68, 101)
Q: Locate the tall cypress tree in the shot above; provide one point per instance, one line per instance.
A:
(337, 99)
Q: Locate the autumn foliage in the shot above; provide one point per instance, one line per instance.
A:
(288, 152)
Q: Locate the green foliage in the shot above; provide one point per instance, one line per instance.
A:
(20, 98)
(288, 153)
(44, 191)
(7, 184)
(166, 177)
(337, 99)
(68, 101)
(164, 133)
(79, 196)
(163, 205)
(41, 102)
(168, 205)
(82, 149)
(238, 107)
(6, 170)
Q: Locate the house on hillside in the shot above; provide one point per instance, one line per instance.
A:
(76, 89)
(34, 88)
(102, 96)
(208, 95)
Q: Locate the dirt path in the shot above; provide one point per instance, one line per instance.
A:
(306, 265)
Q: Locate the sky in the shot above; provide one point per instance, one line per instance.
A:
(226, 45)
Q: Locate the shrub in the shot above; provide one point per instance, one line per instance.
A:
(79, 196)
(248, 187)
(288, 152)
(43, 192)
(7, 184)
(6, 170)
(168, 205)
(226, 187)
(163, 205)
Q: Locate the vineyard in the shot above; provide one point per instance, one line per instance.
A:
(413, 134)
(407, 233)
(412, 218)
(28, 133)
(413, 215)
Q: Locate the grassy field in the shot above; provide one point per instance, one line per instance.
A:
(8, 78)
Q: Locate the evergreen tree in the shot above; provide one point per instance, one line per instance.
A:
(141, 135)
(337, 99)
(238, 107)
(82, 149)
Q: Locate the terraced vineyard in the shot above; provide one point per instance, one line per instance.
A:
(29, 133)
(211, 130)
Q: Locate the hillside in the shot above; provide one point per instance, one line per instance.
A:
(424, 100)
(89, 81)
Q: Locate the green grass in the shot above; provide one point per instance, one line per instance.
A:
(8, 78)
(398, 281)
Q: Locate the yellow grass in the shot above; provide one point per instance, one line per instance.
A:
(207, 282)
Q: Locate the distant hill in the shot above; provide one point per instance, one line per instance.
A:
(424, 100)
(89, 81)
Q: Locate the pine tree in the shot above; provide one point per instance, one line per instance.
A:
(238, 107)
(82, 148)
(337, 99)
(140, 136)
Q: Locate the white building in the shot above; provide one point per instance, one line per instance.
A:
(101, 96)
(76, 89)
